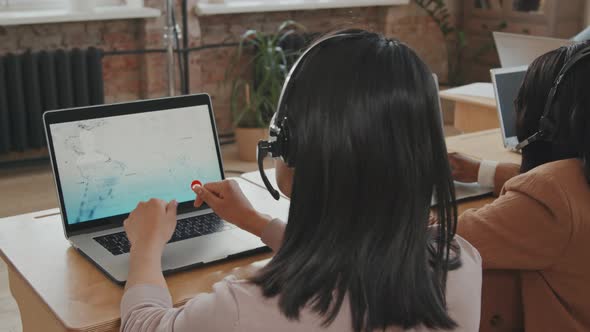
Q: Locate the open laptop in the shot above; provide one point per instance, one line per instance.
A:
(520, 50)
(463, 190)
(507, 82)
(108, 158)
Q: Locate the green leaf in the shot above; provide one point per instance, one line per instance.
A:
(291, 24)
(249, 37)
(462, 41)
(269, 64)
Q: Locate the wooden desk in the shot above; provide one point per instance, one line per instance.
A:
(485, 144)
(472, 113)
(58, 290)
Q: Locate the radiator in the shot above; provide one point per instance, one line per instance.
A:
(35, 82)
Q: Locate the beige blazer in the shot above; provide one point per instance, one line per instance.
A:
(535, 245)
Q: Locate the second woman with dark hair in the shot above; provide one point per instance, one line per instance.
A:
(362, 155)
(534, 239)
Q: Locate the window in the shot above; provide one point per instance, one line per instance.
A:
(214, 7)
(29, 5)
(19, 12)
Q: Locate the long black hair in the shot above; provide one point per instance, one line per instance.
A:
(570, 111)
(369, 152)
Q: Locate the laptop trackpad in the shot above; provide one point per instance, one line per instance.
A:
(208, 248)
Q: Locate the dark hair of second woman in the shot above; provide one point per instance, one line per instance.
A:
(570, 111)
(368, 151)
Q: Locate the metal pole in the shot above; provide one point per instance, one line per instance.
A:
(170, 44)
(185, 55)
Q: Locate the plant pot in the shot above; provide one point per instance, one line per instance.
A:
(247, 140)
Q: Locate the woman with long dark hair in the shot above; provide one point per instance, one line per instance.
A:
(534, 239)
(362, 155)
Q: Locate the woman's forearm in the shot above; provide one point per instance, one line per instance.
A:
(145, 267)
(255, 223)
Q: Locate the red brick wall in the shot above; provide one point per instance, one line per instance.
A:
(122, 79)
(407, 23)
(132, 77)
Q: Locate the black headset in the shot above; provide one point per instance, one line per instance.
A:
(547, 124)
(277, 146)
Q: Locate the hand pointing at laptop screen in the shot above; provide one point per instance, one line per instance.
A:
(229, 203)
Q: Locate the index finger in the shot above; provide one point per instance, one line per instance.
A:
(214, 187)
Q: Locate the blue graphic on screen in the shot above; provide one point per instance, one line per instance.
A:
(107, 165)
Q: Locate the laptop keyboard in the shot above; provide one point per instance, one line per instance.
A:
(117, 243)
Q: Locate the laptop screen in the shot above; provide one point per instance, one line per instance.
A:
(107, 165)
(522, 49)
(507, 87)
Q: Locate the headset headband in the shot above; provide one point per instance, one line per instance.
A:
(278, 143)
(301, 58)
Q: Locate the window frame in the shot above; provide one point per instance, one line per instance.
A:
(219, 7)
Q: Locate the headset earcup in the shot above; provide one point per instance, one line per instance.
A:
(547, 128)
(285, 141)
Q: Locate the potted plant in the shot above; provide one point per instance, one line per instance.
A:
(256, 81)
(456, 39)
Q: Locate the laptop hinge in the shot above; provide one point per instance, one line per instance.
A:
(93, 229)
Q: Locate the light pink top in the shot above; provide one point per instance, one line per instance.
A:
(238, 305)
